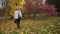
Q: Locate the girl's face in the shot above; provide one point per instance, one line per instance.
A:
(17, 9)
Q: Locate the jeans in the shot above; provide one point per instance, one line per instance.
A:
(17, 21)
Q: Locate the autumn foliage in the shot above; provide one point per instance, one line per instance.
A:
(32, 7)
(38, 7)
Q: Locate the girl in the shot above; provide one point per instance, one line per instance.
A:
(17, 17)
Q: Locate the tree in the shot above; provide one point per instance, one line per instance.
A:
(50, 1)
(12, 5)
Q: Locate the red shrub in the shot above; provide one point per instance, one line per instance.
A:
(50, 10)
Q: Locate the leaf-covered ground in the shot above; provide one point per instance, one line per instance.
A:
(42, 25)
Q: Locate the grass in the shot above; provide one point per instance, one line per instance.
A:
(41, 25)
